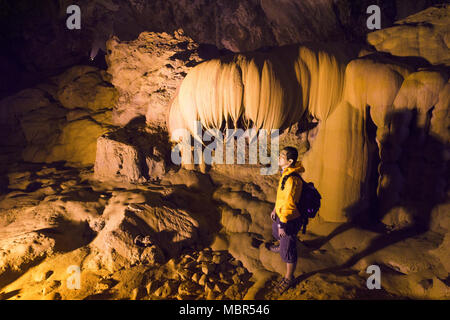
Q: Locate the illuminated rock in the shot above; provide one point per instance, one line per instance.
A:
(273, 90)
(115, 159)
(131, 154)
(424, 34)
(85, 87)
(44, 131)
(146, 72)
(169, 230)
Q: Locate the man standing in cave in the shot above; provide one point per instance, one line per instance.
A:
(285, 216)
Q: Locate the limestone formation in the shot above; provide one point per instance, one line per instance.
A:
(424, 35)
(86, 88)
(116, 159)
(99, 200)
(235, 25)
(262, 91)
(59, 120)
(146, 72)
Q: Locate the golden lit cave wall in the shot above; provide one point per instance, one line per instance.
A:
(273, 90)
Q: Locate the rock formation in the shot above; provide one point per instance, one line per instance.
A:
(147, 72)
(273, 90)
(55, 122)
(88, 185)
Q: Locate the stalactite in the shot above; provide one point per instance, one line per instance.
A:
(273, 90)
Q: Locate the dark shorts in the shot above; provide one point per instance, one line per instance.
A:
(288, 244)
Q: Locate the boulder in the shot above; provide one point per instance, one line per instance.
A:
(115, 159)
(173, 229)
(131, 155)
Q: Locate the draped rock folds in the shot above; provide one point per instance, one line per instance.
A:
(271, 90)
(274, 89)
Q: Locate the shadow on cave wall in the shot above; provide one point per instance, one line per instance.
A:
(425, 174)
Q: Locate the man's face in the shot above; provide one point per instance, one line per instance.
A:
(282, 159)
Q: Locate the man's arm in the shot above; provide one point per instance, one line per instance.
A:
(293, 188)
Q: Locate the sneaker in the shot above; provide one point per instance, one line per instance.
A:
(284, 285)
(274, 248)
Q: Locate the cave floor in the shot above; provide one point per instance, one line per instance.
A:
(43, 273)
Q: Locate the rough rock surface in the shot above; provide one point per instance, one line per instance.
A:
(133, 153)
(61, 217)
(375, 119)
(147, 72)
(168, 231)
(33, 29)
(250, 212)
(86, 90)
(58, 120)
(424, 35)
(21, 251)
(53, 218)
(114, 159)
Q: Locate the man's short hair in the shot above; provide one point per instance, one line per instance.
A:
(291, 153)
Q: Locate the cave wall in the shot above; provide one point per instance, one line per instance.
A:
(37, 43)
(401, 94)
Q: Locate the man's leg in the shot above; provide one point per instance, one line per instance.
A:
(290, 268)
(275, 234)
(290, 256)
(275, 230)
